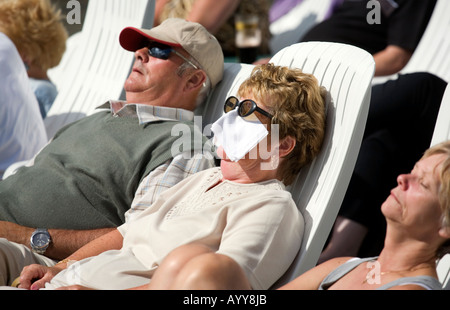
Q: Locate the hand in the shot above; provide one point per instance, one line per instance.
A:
(34, 277)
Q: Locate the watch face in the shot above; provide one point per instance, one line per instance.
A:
(40, 239)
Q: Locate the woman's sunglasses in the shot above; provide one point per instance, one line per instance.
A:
(245, 108)
(162, 51)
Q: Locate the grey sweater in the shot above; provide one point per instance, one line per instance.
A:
(87, 176)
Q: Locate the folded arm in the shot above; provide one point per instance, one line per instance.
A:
(64, 242)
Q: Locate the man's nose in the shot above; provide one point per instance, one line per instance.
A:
(142, 54)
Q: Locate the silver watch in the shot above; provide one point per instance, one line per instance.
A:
(40, 240)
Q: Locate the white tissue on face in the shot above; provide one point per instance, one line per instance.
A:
(237, 135)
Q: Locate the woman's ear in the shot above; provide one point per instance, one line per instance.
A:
(444, 232)
(287, 144)
(195, 80)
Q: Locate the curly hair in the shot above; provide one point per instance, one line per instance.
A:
(298, 105)
(444, 190)
(36, 29)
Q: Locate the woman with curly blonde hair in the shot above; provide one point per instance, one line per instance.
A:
(36, 29)
(299, 116)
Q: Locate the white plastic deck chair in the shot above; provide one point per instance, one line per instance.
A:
(442, 127)
(69, 61)
(443, 271)
(291, 27)
(442, 133)
(432, 53)
(97, 67)
(346, 72)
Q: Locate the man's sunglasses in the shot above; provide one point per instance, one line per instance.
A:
(162, 51)
(245, 108)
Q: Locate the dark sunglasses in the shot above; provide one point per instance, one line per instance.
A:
(162, 51)
(245, 108)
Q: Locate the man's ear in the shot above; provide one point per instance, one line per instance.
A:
(287, 144)
(195, 80)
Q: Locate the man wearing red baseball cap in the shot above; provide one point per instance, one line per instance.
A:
(180, 34)
(83, 183)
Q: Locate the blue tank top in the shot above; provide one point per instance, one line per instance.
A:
(428, 282)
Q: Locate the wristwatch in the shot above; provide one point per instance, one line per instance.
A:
(40, 240)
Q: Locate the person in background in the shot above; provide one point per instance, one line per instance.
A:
(390, 31)
(36, 28)
(219, 18)
(390, 34)
(22, 131)
(211, 14)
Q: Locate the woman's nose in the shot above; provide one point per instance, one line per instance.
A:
(403, 180)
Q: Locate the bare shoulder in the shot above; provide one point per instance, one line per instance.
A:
(311, 279)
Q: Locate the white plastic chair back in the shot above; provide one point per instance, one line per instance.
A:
(291, 27)
(69, 61)
(442, 133)
(346, 72)
(443, 271)
(442, 127)
(95, 66)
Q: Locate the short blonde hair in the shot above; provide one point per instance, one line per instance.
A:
(298, 105)
(444, 191)
(36, 29)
